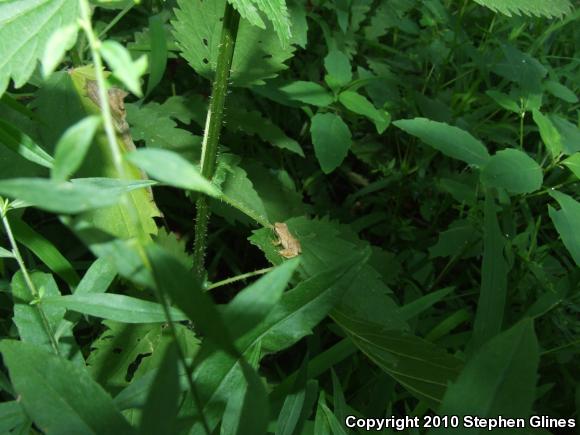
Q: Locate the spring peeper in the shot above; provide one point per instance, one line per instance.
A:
(290, 245)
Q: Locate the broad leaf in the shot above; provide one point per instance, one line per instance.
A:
(25, 25)
(332, 140)
(58, 395)
(123, 67)
(338, 67)
(358, 104)
(451, 141)
(512, 170)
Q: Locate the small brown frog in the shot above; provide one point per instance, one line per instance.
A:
(290, 245)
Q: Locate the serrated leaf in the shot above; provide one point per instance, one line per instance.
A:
(58, 395)
(567, 222)
(540, 8)
(24, 26)
(152, 123)
(133, 217)
(238, 191)
(275, 10)
(505, 372)
(512, 170)
(170, 168)
(258, 54)
(451, 141)
(332, 140)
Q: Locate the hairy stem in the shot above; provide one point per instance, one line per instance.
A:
(213, 126)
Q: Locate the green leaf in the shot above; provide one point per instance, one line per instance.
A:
(124, 68)
(567, 222)
(161, 408)
(45, 250)
(494, 273)
(5, 253)
(512, 170)
(451, 141)
(548, 132)
(116, 359)
(67, 197)
(158, 55)
(152, 123)
(293, 407)
(59, 42)
(573, 163)
(358, 104)
(119, 308)
(58, 395)
(179, 284)
(253, 123)
(307, 92)
(97, 278)
(26, 24)
(253, 61)
(72, 148)
(247, 409)
(27, 318)
(11, 415)
(505, 101)
(172, 169)
(569, 134)
(540, 8)
(275, 10)
(20, 143)
(332, 140)
(133, 217)
(560, 91)
(500, 379)
(238, 191)
(255, 302)
(298, 311)
(338, 67)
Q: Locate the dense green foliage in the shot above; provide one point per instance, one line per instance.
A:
(263, 216)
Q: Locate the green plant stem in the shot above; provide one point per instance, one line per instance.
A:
(29, 283)
(94, 44)
(239, 278)
(213, 126)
